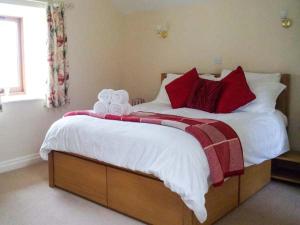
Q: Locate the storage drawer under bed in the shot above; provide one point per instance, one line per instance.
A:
(85, 178)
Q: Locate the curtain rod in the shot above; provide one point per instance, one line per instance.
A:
(44, 1)
(38, 2)
(67, 5)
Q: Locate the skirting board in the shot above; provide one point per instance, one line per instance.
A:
(19, 162)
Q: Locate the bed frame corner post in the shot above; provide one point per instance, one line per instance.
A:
(51, 169)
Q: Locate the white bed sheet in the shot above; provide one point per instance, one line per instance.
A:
(263, 135)
(148, 148)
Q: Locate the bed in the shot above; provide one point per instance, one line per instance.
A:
(144, 193)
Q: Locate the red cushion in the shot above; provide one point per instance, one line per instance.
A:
(180, 89)
(235, 92)
(205, 95)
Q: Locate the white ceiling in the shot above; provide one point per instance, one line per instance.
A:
(128, 6)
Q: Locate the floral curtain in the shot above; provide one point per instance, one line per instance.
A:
(58, 80)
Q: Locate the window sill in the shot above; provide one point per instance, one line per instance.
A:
(19, 98)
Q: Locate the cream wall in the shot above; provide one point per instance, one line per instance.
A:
(107, 49)
(242, 32)
(93, 28)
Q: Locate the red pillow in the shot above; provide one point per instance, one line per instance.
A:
(180, 89)
(205, 95)
(235, 93)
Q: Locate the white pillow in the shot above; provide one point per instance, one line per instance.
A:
(273, 77)
(210, 77)
(163, 97)
(266, 96)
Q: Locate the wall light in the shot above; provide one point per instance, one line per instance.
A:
(163, 30)
(285, 21)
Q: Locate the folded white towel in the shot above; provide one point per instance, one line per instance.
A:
(101, 107)
(120, 97)
(120, 109)
(105, 95)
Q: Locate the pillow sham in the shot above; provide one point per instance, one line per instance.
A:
(235, 92)
(204, 95)
(273, 77)
(266, 93)
(180, 89)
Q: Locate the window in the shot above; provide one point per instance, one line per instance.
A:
(23, 51)
(11, 55)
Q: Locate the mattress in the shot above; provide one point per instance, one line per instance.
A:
(172, 155)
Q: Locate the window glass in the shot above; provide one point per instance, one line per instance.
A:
(10, 53)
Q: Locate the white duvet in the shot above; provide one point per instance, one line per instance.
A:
(170, 154)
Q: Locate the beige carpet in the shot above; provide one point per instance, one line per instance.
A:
(26, 199)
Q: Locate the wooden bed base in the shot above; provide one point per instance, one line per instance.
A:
(145, 197)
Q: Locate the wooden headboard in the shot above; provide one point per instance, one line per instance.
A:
(283, 99)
